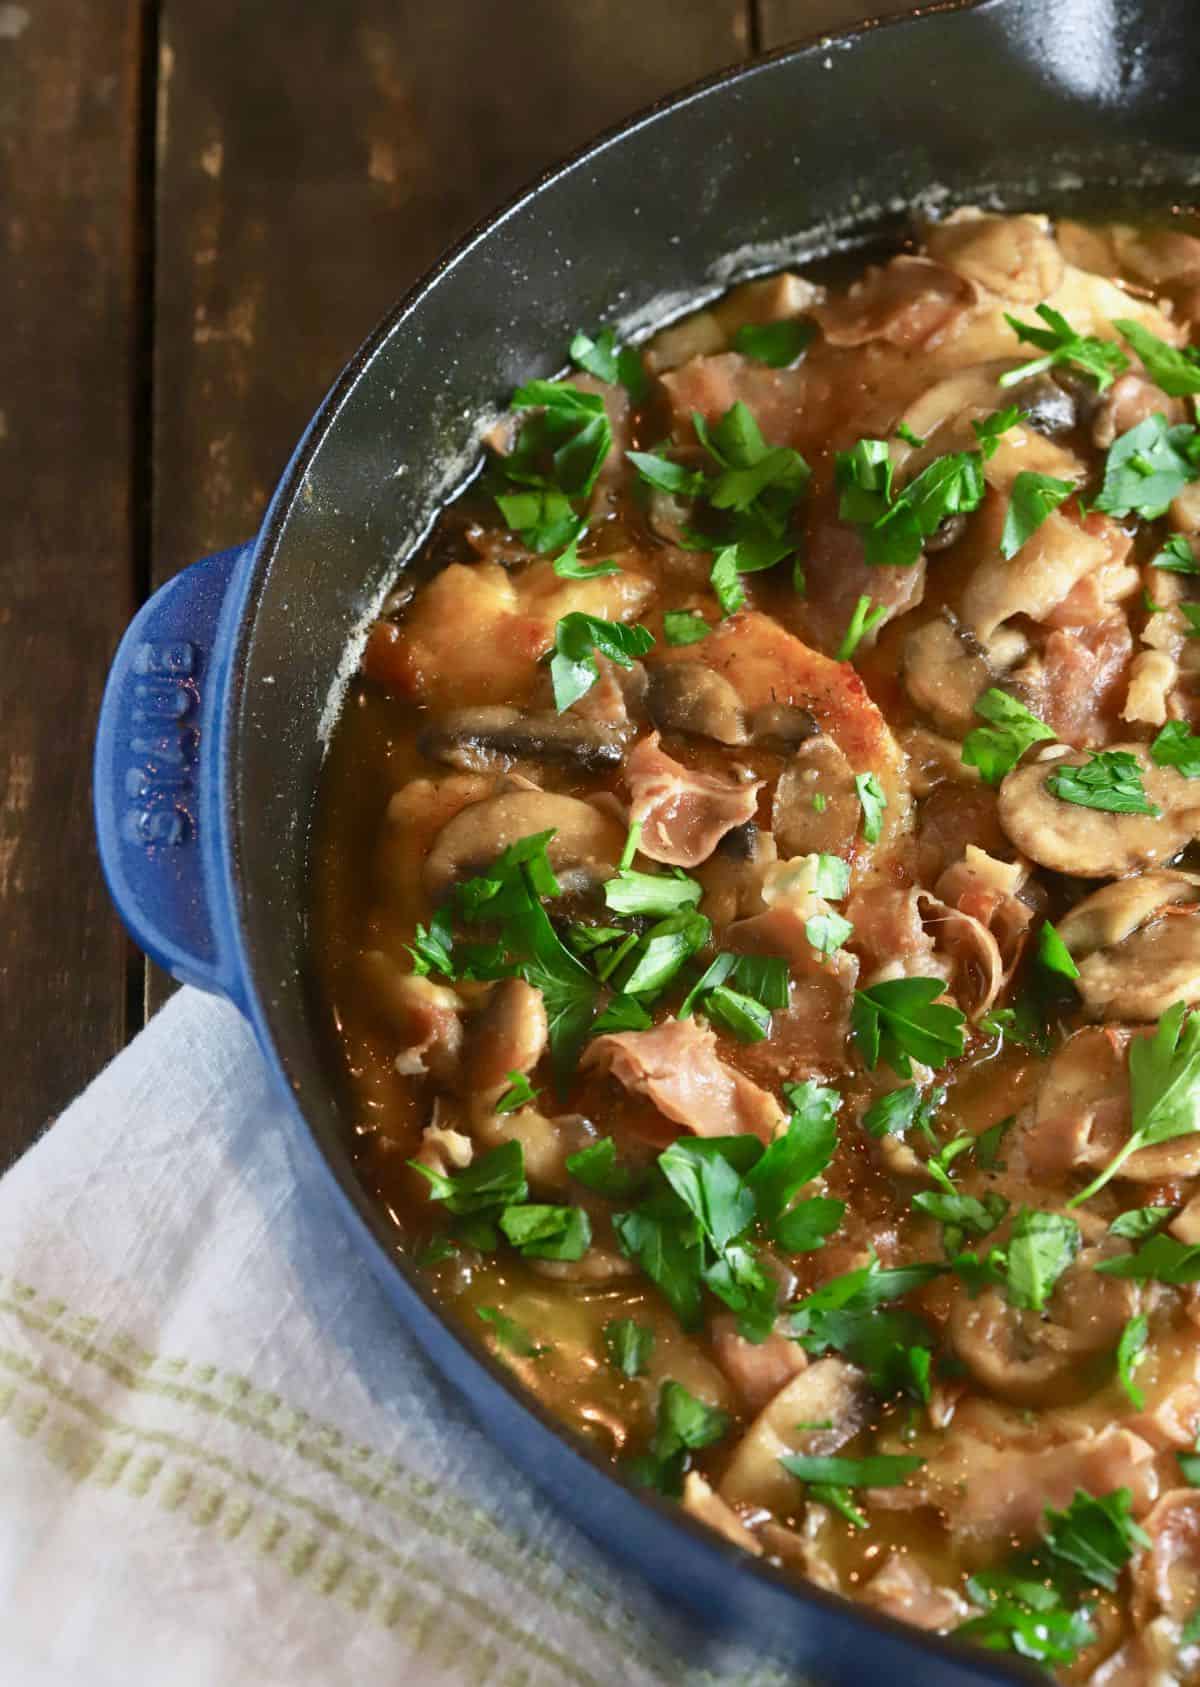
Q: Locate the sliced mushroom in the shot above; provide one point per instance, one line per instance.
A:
(757, 1370)
(945, 670)
(1137, 945)
(1048, 405)
(783, 724)
(903, 1588)
(1035, 1358)
(1082, 1115)
(701, 1501)
(1166, 1579)
(1091, 843)
(688, 697)
(477, 739)
(545, 1142)
(829, 1392)
(979, 970)
(508, 1035)
(815, 809)
(586, 844)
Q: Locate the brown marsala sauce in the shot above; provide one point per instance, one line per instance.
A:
(1023, 1405)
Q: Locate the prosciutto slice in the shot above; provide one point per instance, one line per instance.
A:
(675, 1065)
(683, 815)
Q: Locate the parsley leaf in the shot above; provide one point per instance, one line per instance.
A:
(1131, 1350)
(573, 669)
(894, 526)
(827, 933)
(545, 521)
(1023, 1024)
(547, 1232)
(901, 1110)
(596, 1168)
(511, 1335)
(873, 802)
(569, 567)
(1177, 557)
(628, 1345)
(893, 1346)
(988, 1142)
(1176, 372)
(777, 344)
(684, 1425)
(744, 1018)
(1148, 466)
(1053, 954)
(996, 749)
(1139, 1222)
(1160, 1260)
(659, 954)
(568, 988)
(1022, 1614)
(684, 626)
(881, 1470)
(1110, 780)
(651, 893)
(1177, 746)
(1031, 500)
(1096, 1537)
(961, 1215)
(806, 1226)
(863, 623)
(1164, 1087)
(799, 1153)
(520, 1093)
(603, 358)
(1102, 359)
(901, 1020)
(1040, 1247)
(668, 1251)
(496, 1178)
(431, 949)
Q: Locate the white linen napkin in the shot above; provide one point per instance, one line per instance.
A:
(222, 1459)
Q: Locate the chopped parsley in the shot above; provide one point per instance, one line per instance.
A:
(1139, 1222)
(1031, 500)
(863, 623)
(1176, 372)
(493, 1180)
(628, 1345)
(1177, 556)
(569, 567)
(547, 1232)
(684, 626)
(777, 344)
(684, 1425)
(651, 893)
(873, 802)
(1131, 1350)
(1059, 343)
(902, 1110)
(510, 1335)
(895, 525)
(1040, 1247)
(1053, 954)
(997, 748)
(520, 1093)
(901, 1020)
(573, 669)
(557, 456)
(1096, 1536)
(1176, 745)
(611, 363)
(852, 1314)
(880, 1470)
(1110, 780)
(1160, 1260)
(431, 948)
(1164, 1088)
(1148, 466)
(596, 1168)
(827, 933)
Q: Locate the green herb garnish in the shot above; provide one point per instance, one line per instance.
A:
(996, 749)
(1110, 780)
(573, 669)
(1164, 1087)
(1031, 500)
(901, 1020)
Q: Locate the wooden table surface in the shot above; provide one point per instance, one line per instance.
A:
(207, 205)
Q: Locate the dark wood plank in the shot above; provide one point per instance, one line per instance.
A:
(68, 134)
(315, 159)
(781, 21)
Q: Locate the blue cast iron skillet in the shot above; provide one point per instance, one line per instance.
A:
(215, 715)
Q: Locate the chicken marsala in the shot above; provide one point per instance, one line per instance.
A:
(757, 900)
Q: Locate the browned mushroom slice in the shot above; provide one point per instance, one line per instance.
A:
(830, 1392)
(756, 1369)
(482, 738)
(1082, 1115)
(1137, 945)
(903, 1588)
(815, 809)
(1032, 1358)
(586, 843)
(700, 1500)
(688, 697)
(945, 670)
(1092, 843)
(683, 815)
(507, 1035)
(978, 969)
(1166, 1580)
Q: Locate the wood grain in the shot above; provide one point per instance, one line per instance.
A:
(314, 159)
(782, 21)
(68, 137)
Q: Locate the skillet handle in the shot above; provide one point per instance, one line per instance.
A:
(157, 773)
